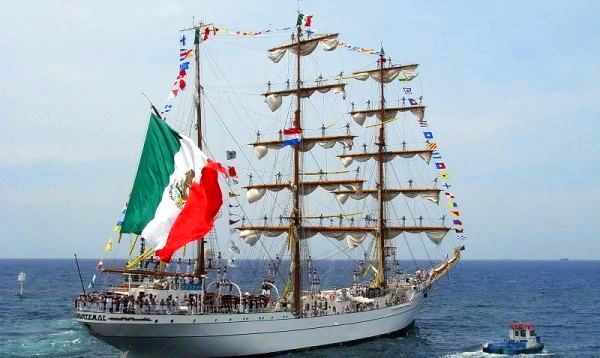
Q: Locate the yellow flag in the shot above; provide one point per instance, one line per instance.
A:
(108, 246)
(444, 175)
(117, 228)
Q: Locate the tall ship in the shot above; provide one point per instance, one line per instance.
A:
(267, 285)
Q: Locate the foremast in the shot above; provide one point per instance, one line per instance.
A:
(200, 268)
(198, 102)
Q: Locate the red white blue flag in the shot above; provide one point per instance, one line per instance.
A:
(293, 136)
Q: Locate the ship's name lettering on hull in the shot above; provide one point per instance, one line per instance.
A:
(91, 317)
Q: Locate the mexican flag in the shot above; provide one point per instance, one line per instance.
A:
(176, 193)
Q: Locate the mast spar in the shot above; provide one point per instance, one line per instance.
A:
(200, 269)
(198, 100)
(297, 215)
(381, 185)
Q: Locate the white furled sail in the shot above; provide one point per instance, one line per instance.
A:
(435, 234)
(348, 158)
(307, 46)
(274, 98)
(353, 235)
(390, 113)
(405, 72)
(256, 192)
(432, 195)
(261, 148)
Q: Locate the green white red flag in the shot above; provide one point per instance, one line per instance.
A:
(176, 194)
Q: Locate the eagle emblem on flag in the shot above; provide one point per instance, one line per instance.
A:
(179, 189)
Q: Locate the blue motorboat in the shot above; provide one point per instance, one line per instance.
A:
(522, 339)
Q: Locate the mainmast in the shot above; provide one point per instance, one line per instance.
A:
(381, 181)
(296, 213)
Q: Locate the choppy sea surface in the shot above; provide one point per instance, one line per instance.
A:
(473, 305)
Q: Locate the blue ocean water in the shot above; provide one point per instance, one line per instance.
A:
(473, 305)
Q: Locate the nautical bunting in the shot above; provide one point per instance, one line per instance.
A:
(109, 245)
(442, 168)
(350, 47)
(185, 54)
(92, 283)
(231, 154)
(222, 31)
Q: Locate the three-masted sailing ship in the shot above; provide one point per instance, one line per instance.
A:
(201, 311)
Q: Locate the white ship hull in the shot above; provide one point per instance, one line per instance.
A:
(222, 335)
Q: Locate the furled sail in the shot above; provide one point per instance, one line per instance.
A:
(434, 233)
(432, 194)
(390, 113)
(274, 98)
(257, 192)
(262, 148)
(307, 46)
(407, 72)
(353, 235)
(348, 158)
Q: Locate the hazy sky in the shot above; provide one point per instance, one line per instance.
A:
(513, 90)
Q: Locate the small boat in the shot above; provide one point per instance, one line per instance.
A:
(522, 339)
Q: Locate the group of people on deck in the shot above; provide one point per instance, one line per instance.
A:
(150, 304)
